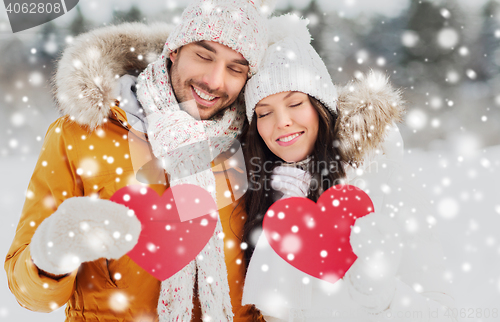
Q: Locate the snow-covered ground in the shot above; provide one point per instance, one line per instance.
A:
(466, 213)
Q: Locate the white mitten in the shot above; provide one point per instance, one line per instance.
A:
(291, 181)
(375, 239)
(83, 229)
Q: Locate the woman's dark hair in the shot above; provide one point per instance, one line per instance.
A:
(326, 169)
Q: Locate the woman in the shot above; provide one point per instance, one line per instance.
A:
(302, 139)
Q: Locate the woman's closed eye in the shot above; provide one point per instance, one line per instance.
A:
(296, 104)
(263, 114)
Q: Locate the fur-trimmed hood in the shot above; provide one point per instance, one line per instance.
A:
(87, 76)
(86, 79)
(366, 107)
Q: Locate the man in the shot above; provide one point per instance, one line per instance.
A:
(70, 250)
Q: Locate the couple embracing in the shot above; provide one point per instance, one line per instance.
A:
(227, 72)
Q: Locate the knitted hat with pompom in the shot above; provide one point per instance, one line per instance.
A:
(290, 64)
(237, 24)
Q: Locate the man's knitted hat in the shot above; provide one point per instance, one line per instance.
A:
(237, 24)
(290, 64)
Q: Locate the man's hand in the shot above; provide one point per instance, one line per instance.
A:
(83, 229)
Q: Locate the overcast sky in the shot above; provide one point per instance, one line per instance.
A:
(101, 11)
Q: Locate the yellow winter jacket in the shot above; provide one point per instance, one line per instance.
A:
(76, 162)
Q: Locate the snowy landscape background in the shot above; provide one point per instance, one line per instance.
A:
(443, 54)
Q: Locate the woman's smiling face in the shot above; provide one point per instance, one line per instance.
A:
(288, 123)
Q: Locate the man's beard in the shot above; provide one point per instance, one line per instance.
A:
(181, 93)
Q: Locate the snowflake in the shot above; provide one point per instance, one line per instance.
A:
(448, 38)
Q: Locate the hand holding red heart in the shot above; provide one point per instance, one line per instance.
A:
(136, 221)
(314, 237)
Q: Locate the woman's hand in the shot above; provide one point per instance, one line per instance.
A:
(376, 240)
(291, 181)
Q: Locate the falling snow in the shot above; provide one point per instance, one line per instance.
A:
(447, 38)
(451, 128)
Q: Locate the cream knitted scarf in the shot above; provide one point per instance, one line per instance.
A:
(183, 145)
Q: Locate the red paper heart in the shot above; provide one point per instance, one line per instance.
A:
(314, 237)
(166, 244)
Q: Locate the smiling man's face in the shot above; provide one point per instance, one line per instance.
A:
(207, 77)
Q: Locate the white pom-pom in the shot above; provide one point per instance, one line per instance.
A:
(289, 25)
(266, 7)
